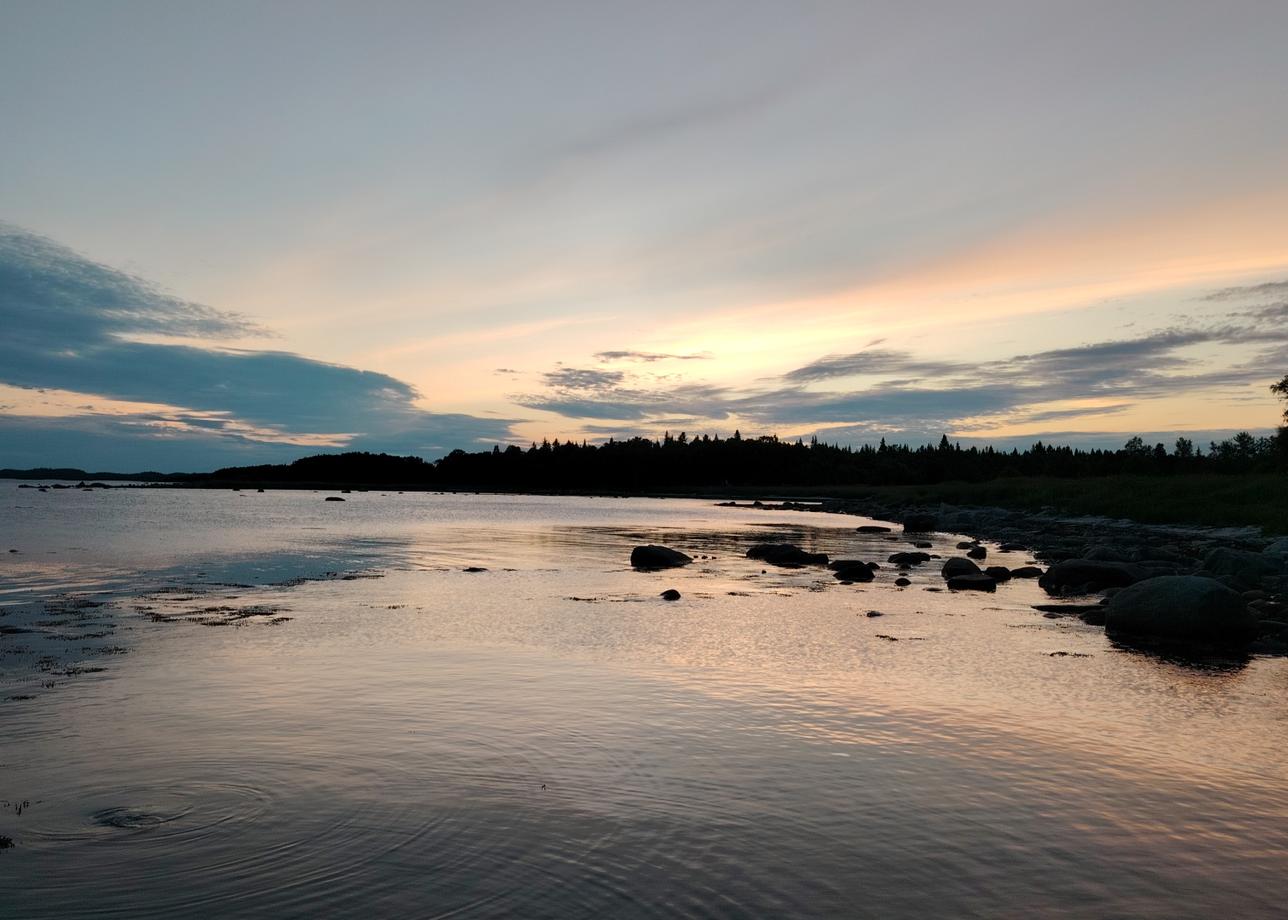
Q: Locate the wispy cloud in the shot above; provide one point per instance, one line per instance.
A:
(648, 356)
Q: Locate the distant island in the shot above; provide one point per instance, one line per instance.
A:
(1234, 482)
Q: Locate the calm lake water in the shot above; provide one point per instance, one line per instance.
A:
(219, 704)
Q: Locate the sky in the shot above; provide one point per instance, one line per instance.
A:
(246, 232)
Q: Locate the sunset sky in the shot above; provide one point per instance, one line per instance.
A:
(242, 232)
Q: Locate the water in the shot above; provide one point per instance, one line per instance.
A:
(291, 708)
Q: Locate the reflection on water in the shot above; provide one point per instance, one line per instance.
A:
(548, 738)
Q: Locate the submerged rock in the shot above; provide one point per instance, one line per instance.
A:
(1185, 607)
(908, 559)
(653, 556)
(785, 554)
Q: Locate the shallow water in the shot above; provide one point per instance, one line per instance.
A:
(286, 707)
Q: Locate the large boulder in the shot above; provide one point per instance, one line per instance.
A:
(785, 554)
(959, 566)
(1240, 569)
(1181, 607)
(920, 522)
(658, 557)
(1090, 575)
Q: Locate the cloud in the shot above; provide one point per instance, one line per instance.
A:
(1247, 292)
(571, 378)
(907, 394)
(873, 362)
(69, 323)
(649, 356)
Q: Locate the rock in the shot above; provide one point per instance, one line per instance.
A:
(998, 573)
(959, 566)
(922, 544)
(1185, 607)
(1271, 627)
(855, 571)
(1277, 548)
(1026, 571)
(653, 556)
(670, 594)
(1255, 595)
(920, 523)
(980, 582)
(902, 582)
(1110, 554)
(872, 528)
(1089, 576)
(785, 554)
(874, 613)
(334, 498)
(1012, 548)
(908, 559)
(977, 552)
(1094, 617)
(1242, 570)
(474, 568)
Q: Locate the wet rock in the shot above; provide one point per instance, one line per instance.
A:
(958, 566)
(1089, 576)
(653, 556)
(998, 573)
(1094, 617)
(1026, 571)
(908, 559)
(854, 571)
(785, 554)
(1184, 607)
(902, 582)
(979, 582)
(920, 523)
(977, 552)
(670, 594)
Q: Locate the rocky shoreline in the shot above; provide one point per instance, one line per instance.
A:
(1159, 584)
